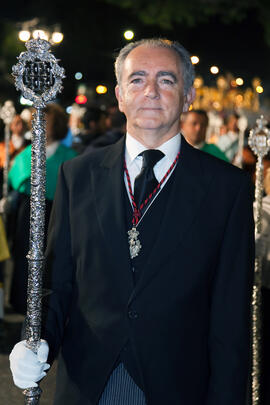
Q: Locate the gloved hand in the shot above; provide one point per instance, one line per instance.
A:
(27, 367)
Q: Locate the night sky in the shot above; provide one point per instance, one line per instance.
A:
(93, 34)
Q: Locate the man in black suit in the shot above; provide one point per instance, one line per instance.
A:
(150, 257)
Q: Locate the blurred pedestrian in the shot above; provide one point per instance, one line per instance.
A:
(228, 141)
(92, 129)
(18, 129)
(194, 126)
(115, 132)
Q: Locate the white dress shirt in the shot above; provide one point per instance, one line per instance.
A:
(134, 162)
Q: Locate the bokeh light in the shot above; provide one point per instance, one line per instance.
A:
(101, 89)
(129, 35)
(214, 70)
(194, 60)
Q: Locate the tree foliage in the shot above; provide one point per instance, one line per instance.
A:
(167, 13)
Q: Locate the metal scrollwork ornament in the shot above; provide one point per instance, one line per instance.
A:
(259, 142)
(37, 74)
(39, 78)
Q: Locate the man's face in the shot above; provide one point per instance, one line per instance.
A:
(194, 128)
(233, 124)
(151, 91)
(16, 126)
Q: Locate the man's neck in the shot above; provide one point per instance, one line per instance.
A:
(151, 139)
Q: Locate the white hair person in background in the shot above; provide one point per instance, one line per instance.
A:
(263, 239)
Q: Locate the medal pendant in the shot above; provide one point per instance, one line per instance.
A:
(134, 243)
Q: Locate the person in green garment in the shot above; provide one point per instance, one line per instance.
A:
(194, 125)
(20, 183)
(56, 153)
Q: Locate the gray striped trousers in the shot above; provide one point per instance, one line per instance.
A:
(121, 389)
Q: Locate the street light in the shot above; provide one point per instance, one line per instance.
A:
(239, 81)
(78, 75)
(54, 36)
(129, 35)
(214, 70)
(40, 34)
(24, 35)
(101, 89)
(259, 89)
(57, 37)
(194, 60)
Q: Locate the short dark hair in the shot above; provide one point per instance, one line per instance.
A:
(229, 115)
(187, 71)
(201, 112)
(118, 119)
(91, 114)
(198, 111)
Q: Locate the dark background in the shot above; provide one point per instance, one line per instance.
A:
(231, 35)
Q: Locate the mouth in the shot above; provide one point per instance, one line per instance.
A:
(150, 109)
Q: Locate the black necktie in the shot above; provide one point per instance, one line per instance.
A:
(146, 182)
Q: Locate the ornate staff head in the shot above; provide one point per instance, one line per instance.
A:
(259, 138)
(259, 141)
(37, 74)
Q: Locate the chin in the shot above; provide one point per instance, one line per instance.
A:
(148, 124)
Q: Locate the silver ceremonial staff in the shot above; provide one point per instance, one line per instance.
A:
(7, 113)
(39, 78)
(259, 141)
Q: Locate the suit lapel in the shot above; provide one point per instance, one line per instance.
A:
(109, 189)
(188, 190)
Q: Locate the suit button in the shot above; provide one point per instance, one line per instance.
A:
(133, 314)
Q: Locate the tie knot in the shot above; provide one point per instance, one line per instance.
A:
(151, 157)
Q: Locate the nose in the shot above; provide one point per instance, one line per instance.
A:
(151, 90)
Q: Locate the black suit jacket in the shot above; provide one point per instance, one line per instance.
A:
(192, 302)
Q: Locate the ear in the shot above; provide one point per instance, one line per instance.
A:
(189, 98)
(118, 95)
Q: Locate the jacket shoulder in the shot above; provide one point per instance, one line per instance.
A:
(224, 172)
(86, 161)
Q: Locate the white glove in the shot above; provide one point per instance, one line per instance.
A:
(26, 366)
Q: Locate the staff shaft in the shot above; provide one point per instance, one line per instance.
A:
(36, 242)
(256, 293)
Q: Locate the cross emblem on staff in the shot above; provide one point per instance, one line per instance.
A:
(38, 76)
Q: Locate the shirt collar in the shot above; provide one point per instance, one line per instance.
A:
(170, 148)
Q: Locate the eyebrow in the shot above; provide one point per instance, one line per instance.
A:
(137, 73)
(159, 74)
(167, 73)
